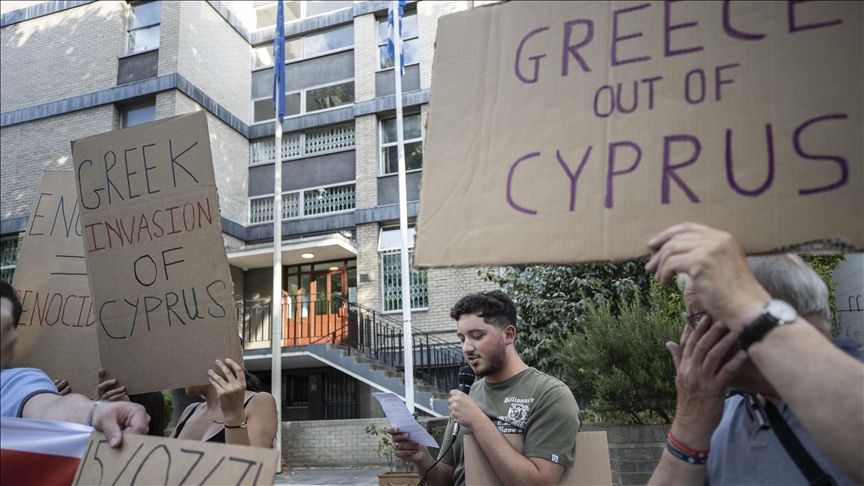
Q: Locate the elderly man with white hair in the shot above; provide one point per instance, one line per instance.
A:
(753, 436)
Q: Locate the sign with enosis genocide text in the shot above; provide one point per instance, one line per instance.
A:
(57, 331)
(159, 278)
(562, 132)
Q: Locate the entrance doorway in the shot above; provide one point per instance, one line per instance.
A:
(316, 302)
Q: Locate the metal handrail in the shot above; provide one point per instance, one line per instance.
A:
(361, 330)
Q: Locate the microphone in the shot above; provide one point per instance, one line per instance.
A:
(466, 379)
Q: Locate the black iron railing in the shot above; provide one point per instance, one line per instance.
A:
(361, 330)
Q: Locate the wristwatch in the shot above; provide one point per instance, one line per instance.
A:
(775, 313)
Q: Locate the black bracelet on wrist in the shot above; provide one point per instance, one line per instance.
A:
(241, 426)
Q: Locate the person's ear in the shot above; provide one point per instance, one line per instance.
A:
(509, 334)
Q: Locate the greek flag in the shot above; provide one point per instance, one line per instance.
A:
(279, 63)
(391, 45)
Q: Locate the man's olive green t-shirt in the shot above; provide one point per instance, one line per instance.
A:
(537, 406)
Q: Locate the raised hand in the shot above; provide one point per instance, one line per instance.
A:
(230, 384)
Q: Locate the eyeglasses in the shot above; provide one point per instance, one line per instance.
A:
(694, 318)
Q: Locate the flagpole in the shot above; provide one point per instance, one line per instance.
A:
(276, 299)
(408, 338)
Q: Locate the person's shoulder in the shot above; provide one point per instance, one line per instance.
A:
(262, 398)
(545, 380)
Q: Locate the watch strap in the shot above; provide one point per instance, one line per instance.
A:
(757, 329)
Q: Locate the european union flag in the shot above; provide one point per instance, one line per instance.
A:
(279, 63)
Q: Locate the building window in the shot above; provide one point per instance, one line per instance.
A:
(307, 47)
(137, 114)
(413, 133)
(306, 101)
(8, 257)
(143, 31)
(410, 42)
(265, 12)
(389, 244)
(295, 390)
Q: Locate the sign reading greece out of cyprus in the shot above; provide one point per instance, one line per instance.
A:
(561, 132)
(159, 277)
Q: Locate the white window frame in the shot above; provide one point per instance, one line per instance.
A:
(303, 101)
(129, 30)
(411, 235)
(378, 46)
(303, 14)
(303, 56)
(382, 145)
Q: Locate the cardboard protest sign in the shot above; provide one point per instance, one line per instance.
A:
(159, 277)
(155, 460)
(57, 331)
(591, 467)
(561, 132)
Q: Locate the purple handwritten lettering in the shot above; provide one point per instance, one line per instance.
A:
(733, 32)
(769, 178)
(574, 177)
(510, 200)
(794, 27)
(573, 50)
(650, 82)
(616, 38)
(668, 27)
(620, 106)
(536, 59)
(719, 80)
(687, 96)
(841, 162)
(669, 168)
(611, 101)
(610, 166)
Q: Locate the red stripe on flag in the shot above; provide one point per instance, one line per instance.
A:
(32, 468)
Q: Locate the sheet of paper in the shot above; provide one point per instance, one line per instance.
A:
(399, 416)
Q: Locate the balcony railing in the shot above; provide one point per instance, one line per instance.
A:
(314, 201)
(359, 329)
(297, 145)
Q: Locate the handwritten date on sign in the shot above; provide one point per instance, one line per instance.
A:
(144, 460)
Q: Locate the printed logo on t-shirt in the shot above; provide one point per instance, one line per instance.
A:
(555, 458)
(517, 415)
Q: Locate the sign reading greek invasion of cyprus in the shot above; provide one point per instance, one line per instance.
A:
(159, 278)
(57, 331)
(561, 132)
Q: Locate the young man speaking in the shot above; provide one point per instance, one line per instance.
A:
(508, 398)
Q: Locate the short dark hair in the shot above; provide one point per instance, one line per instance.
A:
(7, 292)
(494, 306)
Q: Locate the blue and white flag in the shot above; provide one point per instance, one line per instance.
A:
(391, 45)
(279, 63)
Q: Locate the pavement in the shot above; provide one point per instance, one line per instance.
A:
(331, 476)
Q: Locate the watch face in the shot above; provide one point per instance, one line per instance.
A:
(781, 311)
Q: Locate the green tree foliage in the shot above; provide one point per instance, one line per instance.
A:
(552, 301)
(620, 360)
(825, 265)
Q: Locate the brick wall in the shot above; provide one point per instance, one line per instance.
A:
(366, 157)
(61, 55)
(368, 293)
(27, 149)
(446, 286)
(169, 37)
(365, 57)
(332, 442)
(215, 58)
